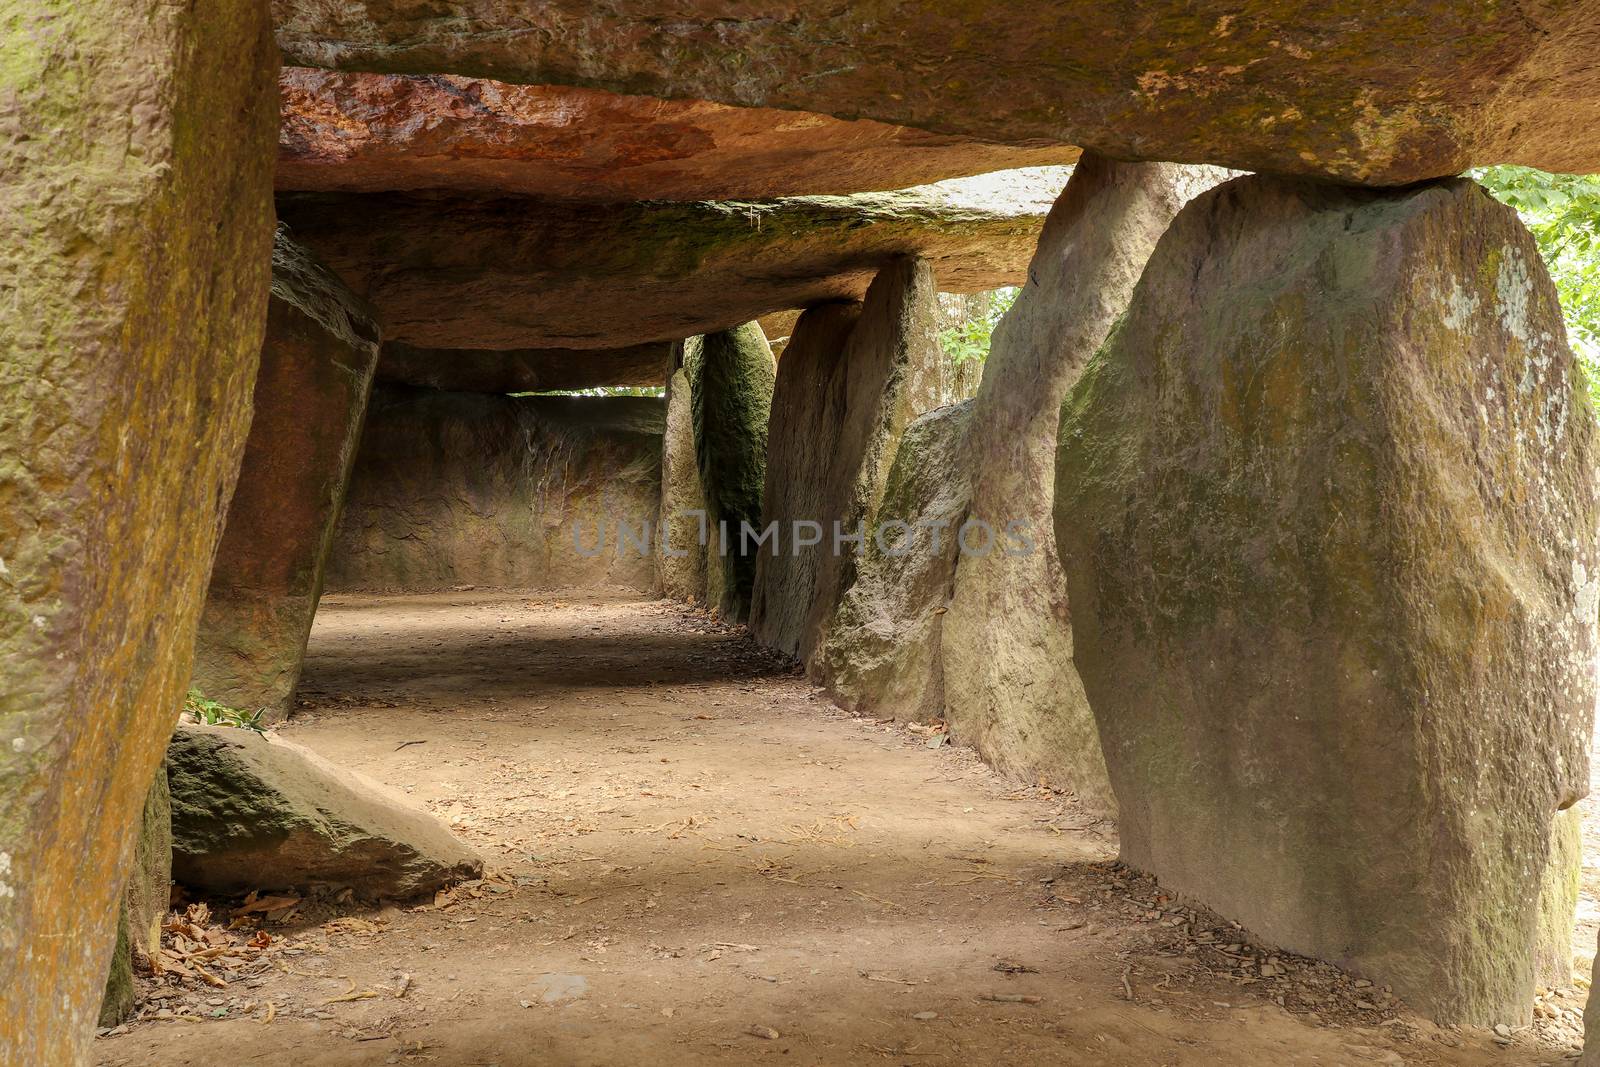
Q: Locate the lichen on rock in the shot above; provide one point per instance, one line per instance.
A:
(1330, 539)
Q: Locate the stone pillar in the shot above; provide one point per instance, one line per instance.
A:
(145, 899)
(135, 242)
(310, 399)
(808, 411)
(1011, 689)
(730, 378)
(680, 559)
(858, 379)
(1326, 504)
(881, 652)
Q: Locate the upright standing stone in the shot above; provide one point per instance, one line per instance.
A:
(730, 384)
(1327, 507)
(310, 401)
(135, 242)
(808, 412)
(881, 653)
(859, 377)
(145, 898)
(1010, 687)
(680, 559)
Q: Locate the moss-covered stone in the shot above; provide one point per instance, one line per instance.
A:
(731, 376)
(1326, 504)
(135, 239)
(251, 811)
(851, 380)
(1355, 91)
(881, 652)
(518, 272)
(310, 401)
(1011, 689)
(144, 903)
(680, 558)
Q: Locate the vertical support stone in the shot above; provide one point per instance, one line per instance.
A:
(135, 243)
(1326, 504)
(881, 653)
(808, 413)
(1010, 687)
(730, 384)
(310, 401)
(680, 559)
(145, 898)
(859, 377)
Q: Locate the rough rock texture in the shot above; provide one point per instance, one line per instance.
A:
(730, 377)
(145, 898)
(253, 812)
(845, 406)
(510, 492)
(127, 397)
(456, 272)
(1377, 93)
(376, 132)
(1591, 1022)
(1558, 901)
(310, 400)
(808, 410)
(536, 370)
(1011, 689)
(1326, 504)
(881, 652)
(680, 559)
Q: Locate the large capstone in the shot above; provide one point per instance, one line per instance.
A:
(730, 376)
(374, 132)
(256, 812)
(1011, 690)
(850, 383)
(514, 272)
(1326, 504)
(135, 243)
(525, 370)
(513, 492)
(1381, 93)
(310, 400)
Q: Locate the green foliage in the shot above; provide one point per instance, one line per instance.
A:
(1563, 213)
(212, 713)
(971, 339)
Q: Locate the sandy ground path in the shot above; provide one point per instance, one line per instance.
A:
(695, 858)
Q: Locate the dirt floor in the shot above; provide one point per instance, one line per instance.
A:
(695, 858)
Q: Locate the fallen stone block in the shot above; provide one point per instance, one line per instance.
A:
(250, 811)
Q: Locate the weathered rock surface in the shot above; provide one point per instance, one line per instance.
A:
(537, 370)
(497, 491)
(680, 557)
(855, 379)
(1326, 503)
(145, 898)
(881, 651)
(508, 272)
(730, 377)
(1011, 690)
(251, 811)
(135, 256)
(808, 412)
(1371, 93)
(374, 132)
(310, 400)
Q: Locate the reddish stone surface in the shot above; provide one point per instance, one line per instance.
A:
(375, 132)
